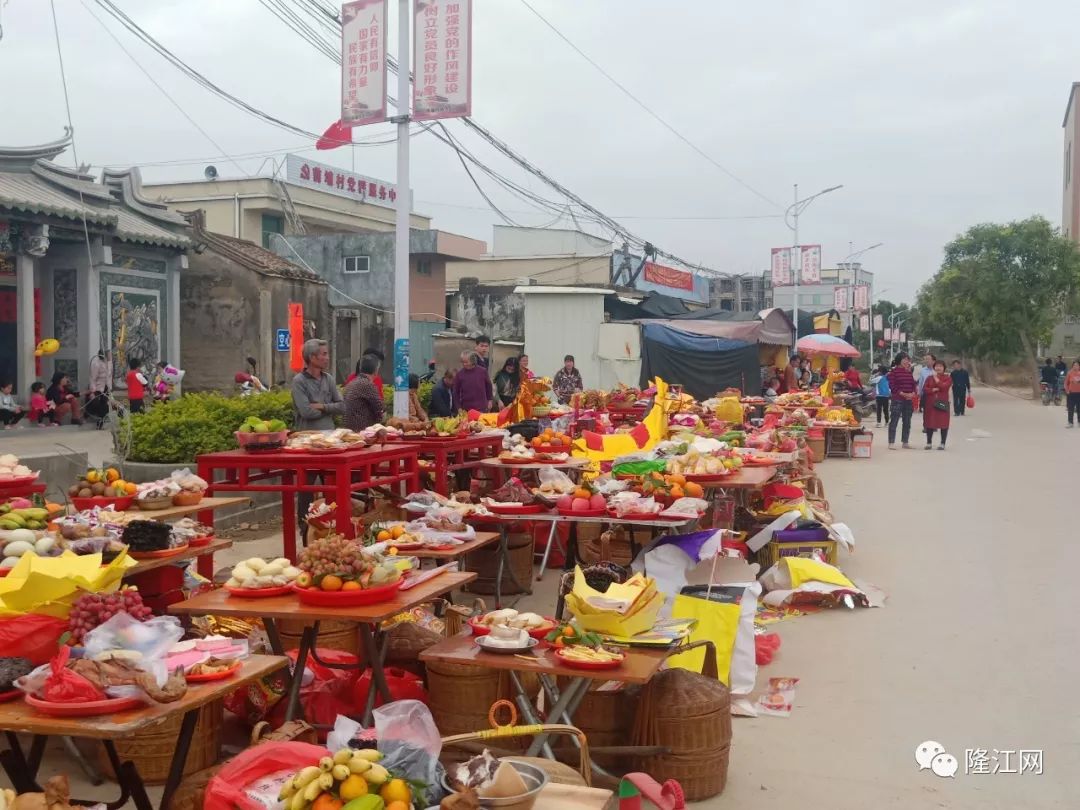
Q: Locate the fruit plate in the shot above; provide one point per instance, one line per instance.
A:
(215, 676)
(538, 633)
(93, 708)
(317, 451)
(258, 593)
(365, 596)
(9, 481)
(515, 508)
(517, 461)
(201, 540)
(633, 515)
(119, 503)
(549, 460)
(584, 513)
(753, 461)
(482, 643)
(157, 555)
(574, 664)
(10, 695)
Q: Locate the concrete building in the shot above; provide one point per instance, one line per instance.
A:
(256, 208)
(546, 255)
(96, 265)
(1066, 336)
(234, 297)
(822, 297)
(359, 269)
(741, 293)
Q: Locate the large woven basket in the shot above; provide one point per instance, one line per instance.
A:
(690, 715)
(484, 562)
(460, 697)
(333, 635)
(612, 545)
(607, 719)
(151, 748)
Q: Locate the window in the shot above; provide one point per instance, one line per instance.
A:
(423, 267)
(356, 264)
(271, 224)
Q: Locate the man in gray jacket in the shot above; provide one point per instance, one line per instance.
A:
(316, 400)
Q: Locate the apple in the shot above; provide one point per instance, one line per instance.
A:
(597, 501)
(304, 580)
(579, 505)
(565, 502)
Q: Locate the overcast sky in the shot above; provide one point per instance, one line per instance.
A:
(934, 115)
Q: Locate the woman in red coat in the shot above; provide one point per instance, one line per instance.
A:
(936, 405)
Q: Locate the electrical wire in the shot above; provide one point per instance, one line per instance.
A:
(648, 109)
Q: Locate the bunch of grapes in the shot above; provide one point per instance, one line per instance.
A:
(93, 609)
(337, 555)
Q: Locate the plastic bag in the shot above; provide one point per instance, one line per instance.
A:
(410, 744)
(65, 686)
(325, 692)
(152, 639)
(228, 789)
(559, 480)
(971, 400)
(33, 636)
(403, 685)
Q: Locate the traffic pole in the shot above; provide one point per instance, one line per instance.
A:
(402, 211)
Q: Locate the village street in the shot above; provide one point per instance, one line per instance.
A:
(975, 647)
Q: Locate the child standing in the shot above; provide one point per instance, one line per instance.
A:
(10, 410)
(40, 406)
(136, 385)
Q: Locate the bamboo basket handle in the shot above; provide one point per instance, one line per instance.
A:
(605, 546)
(709, 666)
(257, 731)
(498, 731)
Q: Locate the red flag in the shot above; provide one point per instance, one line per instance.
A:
(337, 134)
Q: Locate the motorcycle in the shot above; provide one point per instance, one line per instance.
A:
(1052, 393)
(861, 403)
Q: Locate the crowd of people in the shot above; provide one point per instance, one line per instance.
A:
(317, 399)
(931, 387)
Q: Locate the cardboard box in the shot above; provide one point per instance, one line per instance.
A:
(861, 445)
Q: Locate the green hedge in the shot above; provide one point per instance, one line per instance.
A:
(388, 395)
(178, 431)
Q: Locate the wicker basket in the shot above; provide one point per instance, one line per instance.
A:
(817, 449)
(333, 635)
(485, 563)
(151, 748)
(612, 545)
(460, 697)
(186, 498)
(153, 504)
(405, 641)
(689, 714)
(607, 719)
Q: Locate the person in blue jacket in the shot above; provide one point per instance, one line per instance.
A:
(880, 380)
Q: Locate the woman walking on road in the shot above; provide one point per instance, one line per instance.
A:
(902, 395)
(936, 405)
(1072, 390)
(880, 381)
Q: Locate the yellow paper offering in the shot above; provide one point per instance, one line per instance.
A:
(50, 585)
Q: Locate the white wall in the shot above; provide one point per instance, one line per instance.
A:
(618, 351)
(511, 241)
(560, 324)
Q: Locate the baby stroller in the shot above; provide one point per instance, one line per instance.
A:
(98, 407)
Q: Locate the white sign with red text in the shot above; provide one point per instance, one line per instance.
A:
(840, 303)
(442, 59)
(864, 323)
(303, 172)
(810, 269)
(862, 297)
(363, 62)
(781, 267)
(878, 322)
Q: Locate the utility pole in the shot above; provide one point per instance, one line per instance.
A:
(794, 210)
(402, 211)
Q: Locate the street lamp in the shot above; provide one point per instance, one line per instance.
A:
(895, 320)
(793, 211)
(850, 259)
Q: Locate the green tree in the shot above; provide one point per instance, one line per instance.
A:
(1001, 289)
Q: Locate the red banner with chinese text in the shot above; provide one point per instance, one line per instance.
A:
(668, 277)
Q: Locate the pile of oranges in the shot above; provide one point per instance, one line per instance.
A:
(674, 485)
(552, 439)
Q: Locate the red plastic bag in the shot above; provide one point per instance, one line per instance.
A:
(328, 694)
(404, 685)
(971, 401)
(226, 790)
(33, 636)
(65, 686)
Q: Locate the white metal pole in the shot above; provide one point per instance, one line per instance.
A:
(402, 211)
(796, 270)
(871, 333)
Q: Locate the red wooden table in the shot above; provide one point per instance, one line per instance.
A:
(290, 473)
(453, 454)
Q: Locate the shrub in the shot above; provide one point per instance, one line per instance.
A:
(424, 392)
(180, 430)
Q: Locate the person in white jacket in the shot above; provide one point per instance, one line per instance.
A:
(101, 371)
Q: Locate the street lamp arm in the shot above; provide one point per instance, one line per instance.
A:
(799, 206)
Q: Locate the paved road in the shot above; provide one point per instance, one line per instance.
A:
(976, 647)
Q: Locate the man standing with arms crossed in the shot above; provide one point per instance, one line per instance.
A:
(316, 401)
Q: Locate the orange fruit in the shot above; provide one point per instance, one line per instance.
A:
(397, 531)
(694, 489)
(112, 474)
(656, 476)
(383, 536)
(677, 491)
(327, 801)
(353, 787)
(130, 488)
(331, 582)
(536, 442)
(392, 551)
(351, 585)
(676, 478)
(581, 492)
(397, 805)
(396, 791)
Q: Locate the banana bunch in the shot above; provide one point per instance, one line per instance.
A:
(32, 517)
(333, 774)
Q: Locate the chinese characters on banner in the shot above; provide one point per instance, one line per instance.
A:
(442, 59)
(878, 322)
(363, 62)
(781, 267)
(304, 172)
(903, 337)
(810, 272)
(862, 297)
(668, 276)
(864, 323)
(840, 299)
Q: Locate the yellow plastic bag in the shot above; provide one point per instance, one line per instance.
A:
(50, 585)
(717, 622)
(803, 570)
(730, 410)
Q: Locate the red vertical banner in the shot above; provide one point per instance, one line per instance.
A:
(37, 329)
(296, 336)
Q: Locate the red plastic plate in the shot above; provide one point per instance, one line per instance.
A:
(157, 555)
(583, 513)
(121, 502)
(215, 676)
(634, 516)
(10, 695)
(538, 633)
(92, 709)
(516, 509)
(316, 451)
(708, 479)
(569, 662)
(370, 596)
(8, 483)
(258, 593)
(198, 542)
